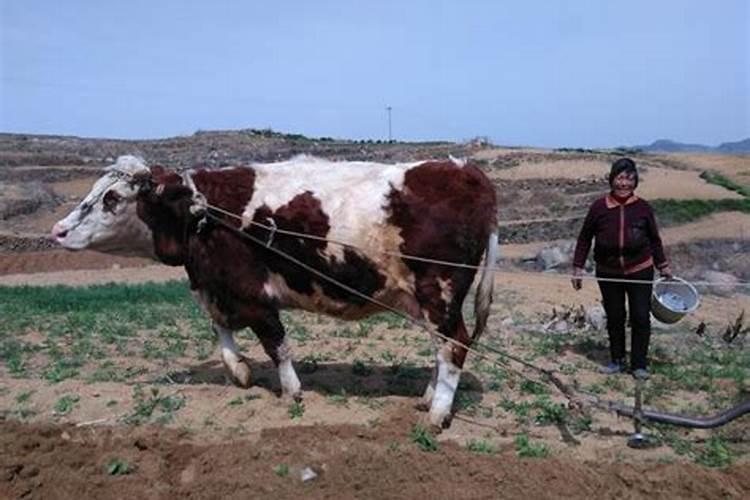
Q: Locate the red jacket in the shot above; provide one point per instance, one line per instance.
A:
(626, 237)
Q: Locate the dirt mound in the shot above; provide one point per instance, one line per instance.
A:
(26, 198)
(379, 461)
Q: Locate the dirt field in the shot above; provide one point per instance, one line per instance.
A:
(357, 432)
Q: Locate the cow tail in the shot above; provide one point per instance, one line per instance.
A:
(483, 298)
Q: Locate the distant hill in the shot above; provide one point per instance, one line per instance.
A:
(669, 146)
(742, 146)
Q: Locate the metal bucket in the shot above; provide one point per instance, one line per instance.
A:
(672, 299)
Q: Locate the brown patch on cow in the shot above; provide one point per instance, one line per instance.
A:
(445, 212)
(229, 189)
(304, 214)
(166, 208)
(229, 270)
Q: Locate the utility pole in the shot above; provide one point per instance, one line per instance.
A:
(388, 108)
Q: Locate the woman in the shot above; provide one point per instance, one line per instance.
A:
(627, 247)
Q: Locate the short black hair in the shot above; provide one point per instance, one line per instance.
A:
(623, 165)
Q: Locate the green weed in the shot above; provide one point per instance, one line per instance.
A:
(423, 438)
(65, 404)
(482, 447)
(525, 448)
(119, 467)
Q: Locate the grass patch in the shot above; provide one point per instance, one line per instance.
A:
(725, 182)
(423, 438)
(153, 405)
(481, 447)
(525, 448)
(715, 453)
(65, 404)
(296, 410)
(158, 321)
(672, 212)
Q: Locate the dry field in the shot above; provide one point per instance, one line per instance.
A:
(117, 389)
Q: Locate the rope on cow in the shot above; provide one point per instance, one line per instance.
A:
(548, 374)
(275, 230)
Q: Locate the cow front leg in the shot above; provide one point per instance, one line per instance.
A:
(236, 365)
(272, 336)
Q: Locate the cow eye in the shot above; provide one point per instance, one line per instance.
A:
(85, 209)
(110, 201)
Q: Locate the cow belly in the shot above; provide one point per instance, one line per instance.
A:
(277, 290)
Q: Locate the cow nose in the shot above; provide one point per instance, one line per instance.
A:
(59, 231)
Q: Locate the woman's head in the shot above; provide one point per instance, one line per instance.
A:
(623, 177)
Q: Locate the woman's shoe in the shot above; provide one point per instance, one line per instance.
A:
(612, 368)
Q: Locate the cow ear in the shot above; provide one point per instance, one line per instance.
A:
(142, 180)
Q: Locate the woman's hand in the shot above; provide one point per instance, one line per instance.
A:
(577, 282)
(666, 272)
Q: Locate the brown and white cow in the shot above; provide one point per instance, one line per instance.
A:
(440, 210)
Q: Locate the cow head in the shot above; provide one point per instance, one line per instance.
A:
(106, 219)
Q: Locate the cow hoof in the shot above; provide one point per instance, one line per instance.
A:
(241, 375)
(431, 427)
(423, 405)
(295, 397)
(440, 422)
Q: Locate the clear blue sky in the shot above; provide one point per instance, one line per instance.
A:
(579, 73)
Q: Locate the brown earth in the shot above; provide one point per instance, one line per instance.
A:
(349, 461)
(361, 449)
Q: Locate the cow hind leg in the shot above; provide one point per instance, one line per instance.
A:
(449, 361)
(236, 365)
(442, 303)
(270, 331)
(425, 403)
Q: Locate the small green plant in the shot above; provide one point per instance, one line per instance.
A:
(65, 404)
(423, 438)
(24, 396)
(531, 387)
(146, 407)
(296, 410)
(119, 467)
(480, 446)
(581, 424)
(550, 413)
(527, 449)
(715, 453)
(236, 401)
(340, 399)
(281, 470)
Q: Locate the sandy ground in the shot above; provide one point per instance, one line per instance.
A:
(654, 183)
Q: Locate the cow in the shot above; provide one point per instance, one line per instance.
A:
(346, 239)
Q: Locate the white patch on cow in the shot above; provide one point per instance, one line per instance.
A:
(276, 288)
(290, 384)
(352, 194)
(118, 231)
(446, 290)
(448, 376)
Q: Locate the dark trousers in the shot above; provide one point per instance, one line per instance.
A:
(639, 307)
